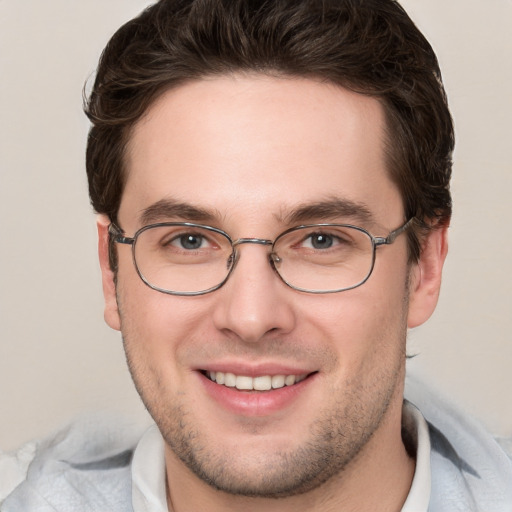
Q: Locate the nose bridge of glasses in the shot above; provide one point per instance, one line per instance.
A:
(241, 241)
(260, 241)
(235, 255)
(234, 258)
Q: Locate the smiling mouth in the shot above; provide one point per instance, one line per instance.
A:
(260, 383)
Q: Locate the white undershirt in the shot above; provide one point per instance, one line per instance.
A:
(148, 473)
(419, 494)
(148, 468)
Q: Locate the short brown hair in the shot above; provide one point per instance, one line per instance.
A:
(369, 46)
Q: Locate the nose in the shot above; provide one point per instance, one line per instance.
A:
(254, 303)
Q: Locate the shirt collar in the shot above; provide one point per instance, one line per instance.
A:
(148, 473)
(417, 429)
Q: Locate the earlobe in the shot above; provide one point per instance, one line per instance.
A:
(425, 278)
(111, 312)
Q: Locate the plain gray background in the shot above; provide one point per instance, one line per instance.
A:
(57, 357)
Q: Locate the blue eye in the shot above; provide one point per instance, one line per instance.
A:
(190, 241)
(321, 241)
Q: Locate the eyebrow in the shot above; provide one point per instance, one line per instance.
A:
(167, 209)
(332, 209)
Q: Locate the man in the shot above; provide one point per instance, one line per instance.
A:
(272, 183)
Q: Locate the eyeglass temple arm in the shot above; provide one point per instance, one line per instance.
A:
(117, 235)
(379, 240)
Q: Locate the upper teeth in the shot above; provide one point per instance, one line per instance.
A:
(261, 383)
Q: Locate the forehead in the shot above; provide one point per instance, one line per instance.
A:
(240, 145)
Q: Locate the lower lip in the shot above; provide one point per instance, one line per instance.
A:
(255, 403)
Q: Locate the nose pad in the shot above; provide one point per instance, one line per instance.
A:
(275, 259)
(231, 261)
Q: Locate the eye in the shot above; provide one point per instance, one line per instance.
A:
(189, 241)
(320, 241)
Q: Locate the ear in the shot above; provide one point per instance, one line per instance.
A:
(425, 280)
(111, 313)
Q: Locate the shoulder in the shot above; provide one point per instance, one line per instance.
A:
(85, 467)
(506, 445)
(470, 469)
(14, 467)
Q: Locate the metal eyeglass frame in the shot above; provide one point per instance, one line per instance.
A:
(117, 235)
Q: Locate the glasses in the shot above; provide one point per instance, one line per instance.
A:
(183, 258)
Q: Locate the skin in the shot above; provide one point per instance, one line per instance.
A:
(249, 150)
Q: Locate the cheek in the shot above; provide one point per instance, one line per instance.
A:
(155, 325)
(147, 311)
(363, 325)
(162, 322)
(157, 330)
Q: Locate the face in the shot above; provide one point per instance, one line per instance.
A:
(254, 156)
